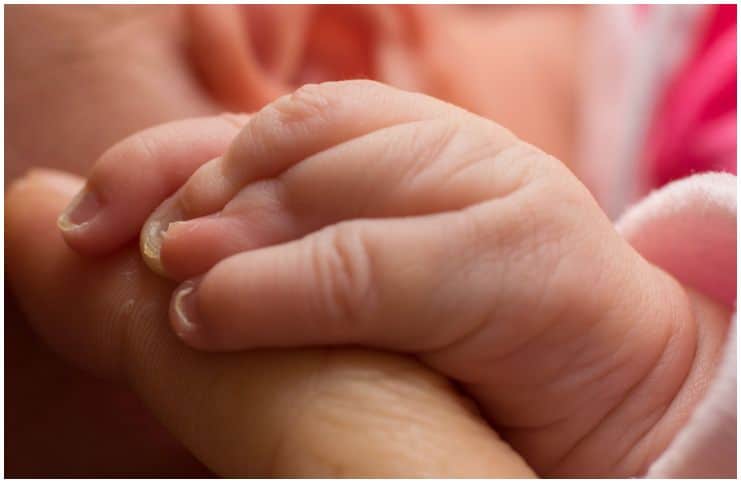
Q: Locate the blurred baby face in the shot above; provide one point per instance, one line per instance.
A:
(516, 65)
(113, 70)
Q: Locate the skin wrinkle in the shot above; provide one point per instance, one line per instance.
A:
(364, 286)
(651, 426)
(251, 127)
(675, 398)
(553, 468)
(610, 410)
(340, 264)
(134, 346)
(629, 395)
(384, 411)
(276, 201)
(320, 396)
(304, 105)
(482, 235)
(279, 448)
(474, 209)
(300, 406)
(560, 259)
(650, 421)
(539, 426)
(597, 424)
(393, 386)
(294, 170)
(524, 165)
(281, 116)
(429, 353)
(562, 314)
(124, 344)
(426, 153)
(540, 337)
(588, 366)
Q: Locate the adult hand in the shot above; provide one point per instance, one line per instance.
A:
(267, 413)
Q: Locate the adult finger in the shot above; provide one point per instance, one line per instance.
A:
(303, 413)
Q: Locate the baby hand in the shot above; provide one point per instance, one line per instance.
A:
(354, 213)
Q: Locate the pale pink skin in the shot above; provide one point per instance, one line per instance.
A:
(355, 213)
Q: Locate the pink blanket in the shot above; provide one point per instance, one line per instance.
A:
(659, 107)
(688, 228)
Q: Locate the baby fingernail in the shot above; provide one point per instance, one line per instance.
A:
(153, 234)
(184, 309)
(81, 210)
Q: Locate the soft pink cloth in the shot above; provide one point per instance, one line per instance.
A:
(659, 104)
(688, 228)
(658, 99)
(694, 124)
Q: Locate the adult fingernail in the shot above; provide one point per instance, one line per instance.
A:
(184, 309)
(83, 208)
(153, 234)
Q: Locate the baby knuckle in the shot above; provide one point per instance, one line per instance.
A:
(322, 102)
(516, 165)
(343, 270)
(145, 146)
(306, 104)
(142, 152)
(434, 137)
(142, 148)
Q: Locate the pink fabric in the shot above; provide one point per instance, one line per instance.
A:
(633, 55)
(694, 127)
(688, 228)
(706, 446)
